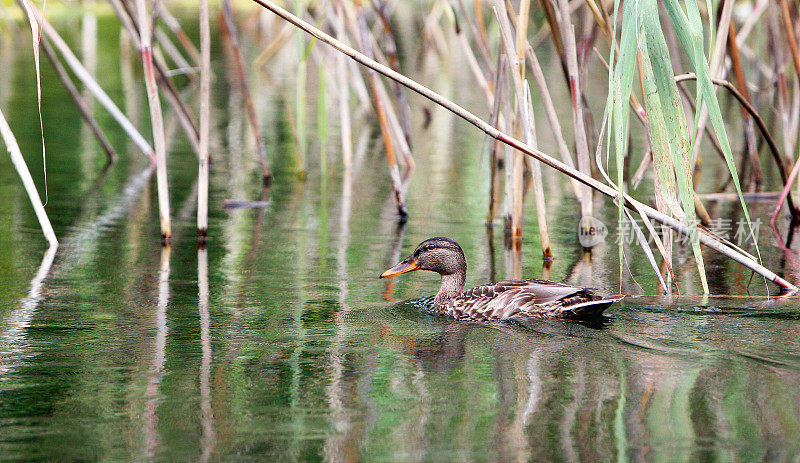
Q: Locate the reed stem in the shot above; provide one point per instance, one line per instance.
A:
(205, 122)
(156, 117)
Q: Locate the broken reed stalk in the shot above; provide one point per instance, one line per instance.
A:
(233, 38)
(394, 172)
(205, 122)
(27, 181)
(79, 102)
(156, 117)
(610, 191)
(91, 84)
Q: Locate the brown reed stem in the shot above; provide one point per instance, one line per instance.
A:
(394, 173)
(790, 37)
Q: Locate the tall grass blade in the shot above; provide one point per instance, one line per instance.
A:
(689, 29)
(657, 57)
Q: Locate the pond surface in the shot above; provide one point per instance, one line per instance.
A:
(279, 343)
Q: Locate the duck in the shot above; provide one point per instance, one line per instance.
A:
(504, 300)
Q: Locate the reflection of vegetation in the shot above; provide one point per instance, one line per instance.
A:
(659, 381)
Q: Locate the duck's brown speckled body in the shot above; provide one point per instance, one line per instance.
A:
(504, 300)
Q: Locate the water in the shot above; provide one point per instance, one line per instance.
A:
(279, 343)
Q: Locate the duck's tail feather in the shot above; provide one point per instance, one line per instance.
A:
(588, 309)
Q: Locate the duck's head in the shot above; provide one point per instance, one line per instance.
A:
(441, 255)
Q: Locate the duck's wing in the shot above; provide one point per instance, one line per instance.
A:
(522, 299)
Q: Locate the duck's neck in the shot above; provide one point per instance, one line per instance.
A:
(452, 286)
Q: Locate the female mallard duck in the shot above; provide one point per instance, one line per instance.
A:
(512, 299)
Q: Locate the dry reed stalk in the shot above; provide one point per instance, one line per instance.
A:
(478, 31)
(27, 181)
(526, 126)
(610, 191)
(581, 143)
(156, 117)
(397, 130)
(175, 27)
(233, 38)
(550, 112)
(495, 180)
(514, 161)
(91, 84)
(205, 122)
(185, 118)
(536, 172)
(343, 94)
(111, 155)
(749, 132)
(274, 46)
(174, 54)
(790, 37)
(394, 173)
(394, 62)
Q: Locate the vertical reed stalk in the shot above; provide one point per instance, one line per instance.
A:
(157, 120)
(749, 132)
(513, 165)
(233, 35)
(300, 95)
(205, 122)
(496, 150)
(322, 121)
(27, 181)
(581, 144)
(344, 93)
(536, 172)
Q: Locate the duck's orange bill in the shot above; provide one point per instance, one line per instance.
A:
(407, 265)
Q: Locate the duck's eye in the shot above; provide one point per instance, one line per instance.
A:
(429, 246)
